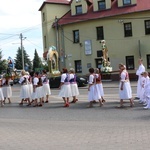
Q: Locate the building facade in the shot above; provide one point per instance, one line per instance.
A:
(76, 28)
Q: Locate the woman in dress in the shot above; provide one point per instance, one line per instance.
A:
(65, 89)
(91, 88)
(24, 92)
(125, 91)
(46, 87)
(74, 86)
(6, 88)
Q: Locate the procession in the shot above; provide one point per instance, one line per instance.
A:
(35, 88)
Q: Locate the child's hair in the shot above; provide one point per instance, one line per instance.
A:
(97, 70)
(44, 71)
(31, 73)
(65, 70)
(145, 73)
(91, 70)
(40, 82)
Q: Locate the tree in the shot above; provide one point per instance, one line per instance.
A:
(18, 59)
(37, 63)
(3, 63)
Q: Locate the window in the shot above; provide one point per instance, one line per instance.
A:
(99, 63)
(79, 9)
(100, 53)
(147, 26)
(127, 29)
(76, 36)
(148, 61)
(126, 2)
(100, 33)
(78, 66)
(101, 5)
(130, 62)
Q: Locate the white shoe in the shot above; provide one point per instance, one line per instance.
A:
(146, 107)
(145, 104)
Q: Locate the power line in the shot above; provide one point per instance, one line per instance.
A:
(33, 43)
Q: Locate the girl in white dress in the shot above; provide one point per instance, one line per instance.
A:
(91, 88)
(34, 95)
(6, 88)
(74, 86)
(29, 82)
(1, 94)
(24, 92)
(125, 87)
(65, 89)
(37, 90)
(99, 87)
(144, 81)
(46, 87)
(147, 95)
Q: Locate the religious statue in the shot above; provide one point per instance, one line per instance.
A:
(104, 50)
(52, 58)
(106, 65)
(54, 62)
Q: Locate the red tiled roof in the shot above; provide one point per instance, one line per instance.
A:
(142, 5)
(64, 2)
(58, 1)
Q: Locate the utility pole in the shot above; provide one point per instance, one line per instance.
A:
(21, 39)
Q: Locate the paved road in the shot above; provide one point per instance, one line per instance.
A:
(53, 127)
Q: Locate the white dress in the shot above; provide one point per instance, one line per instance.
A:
(147, 94)
(46, 87)
(126, 93)
(100, 85)
(144, 82)
(7, 91)
(30, 86)
(24, 92)
(73, 84)
(138, 73)
(92, 93)
(34, 95)
(65, 90)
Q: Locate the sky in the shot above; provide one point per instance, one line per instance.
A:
(20, 16)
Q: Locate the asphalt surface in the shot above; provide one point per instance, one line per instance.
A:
(53, 127)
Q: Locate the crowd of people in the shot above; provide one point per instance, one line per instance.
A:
(35, 87)
(143, 86)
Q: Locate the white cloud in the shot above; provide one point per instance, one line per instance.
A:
(17, 16)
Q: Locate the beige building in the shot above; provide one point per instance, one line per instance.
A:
(76, 28)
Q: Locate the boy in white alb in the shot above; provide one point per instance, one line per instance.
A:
(138, 73)
(144, 81)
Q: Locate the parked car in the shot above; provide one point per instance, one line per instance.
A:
(55, 81)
